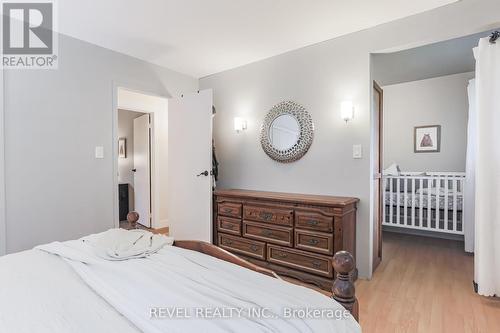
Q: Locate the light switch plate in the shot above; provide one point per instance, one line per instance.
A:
(99, 152)
(357, 151)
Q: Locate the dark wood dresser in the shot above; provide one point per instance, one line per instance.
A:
(295, 235)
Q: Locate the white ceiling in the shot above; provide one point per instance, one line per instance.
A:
(202, 37)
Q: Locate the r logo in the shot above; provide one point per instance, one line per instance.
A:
(27, 28)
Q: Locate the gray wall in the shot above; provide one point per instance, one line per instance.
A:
(56, 189)
(125, 165)
(2, 171)
(438, 101)
(320, 77)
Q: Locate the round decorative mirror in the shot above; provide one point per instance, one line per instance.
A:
(287, 132)
(284, 132)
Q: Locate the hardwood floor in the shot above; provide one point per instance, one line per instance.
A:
(424, 285)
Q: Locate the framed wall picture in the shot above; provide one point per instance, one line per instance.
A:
(427, 139)
(122, 148)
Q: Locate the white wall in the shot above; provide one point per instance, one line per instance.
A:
(320, 77)
(56, 189)
(438, 101)
(125, 165)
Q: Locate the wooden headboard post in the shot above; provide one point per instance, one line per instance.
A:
(132, 219)
(343, 288)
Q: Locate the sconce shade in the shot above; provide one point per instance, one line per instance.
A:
(347, 110)
(240, 124)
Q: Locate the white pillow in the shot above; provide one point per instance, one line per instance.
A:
(392, 170)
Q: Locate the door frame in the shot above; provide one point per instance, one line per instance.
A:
(377, 239)
(155, 190)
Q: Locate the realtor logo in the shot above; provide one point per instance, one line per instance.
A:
(29, 40)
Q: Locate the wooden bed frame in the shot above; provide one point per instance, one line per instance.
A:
(343, 263)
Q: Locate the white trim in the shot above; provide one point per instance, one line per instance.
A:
(155, 198)
(3, 227)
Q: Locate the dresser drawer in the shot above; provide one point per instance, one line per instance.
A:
(308, 262)
(279, 216)
(269, 233)
(314, 241)
(229, 209)
(229, 225)
(244, 246)
(313, 221)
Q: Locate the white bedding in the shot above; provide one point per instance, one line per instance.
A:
(41, 292)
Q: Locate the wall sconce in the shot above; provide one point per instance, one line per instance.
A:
(240, 124)
(347, 111)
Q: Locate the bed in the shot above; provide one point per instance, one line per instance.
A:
(191, 286)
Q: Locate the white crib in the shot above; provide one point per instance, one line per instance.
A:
(431, 201)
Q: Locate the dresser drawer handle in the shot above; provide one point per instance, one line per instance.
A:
(228, 210)
(313, 222)
(228, 226)
(266, 216)
(316, 264)
(227, 242)
(254, 247)
(266, 232)
(282, 255)
(313, 241)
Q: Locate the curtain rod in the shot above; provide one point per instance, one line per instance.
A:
(494, 36)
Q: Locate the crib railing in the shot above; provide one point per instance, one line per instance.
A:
(430, 201)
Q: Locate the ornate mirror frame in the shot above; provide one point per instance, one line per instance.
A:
(304, 140)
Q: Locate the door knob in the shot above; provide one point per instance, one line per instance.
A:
(134, 170)
(204, 173)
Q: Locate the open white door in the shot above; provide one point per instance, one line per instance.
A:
(189, 166)
(142, 169)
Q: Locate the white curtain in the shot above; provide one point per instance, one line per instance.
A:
(470, 170)
(487, 219)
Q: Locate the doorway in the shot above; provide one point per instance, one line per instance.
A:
(134, 166)
(180, 159)
(140, 141)
(420, 141)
